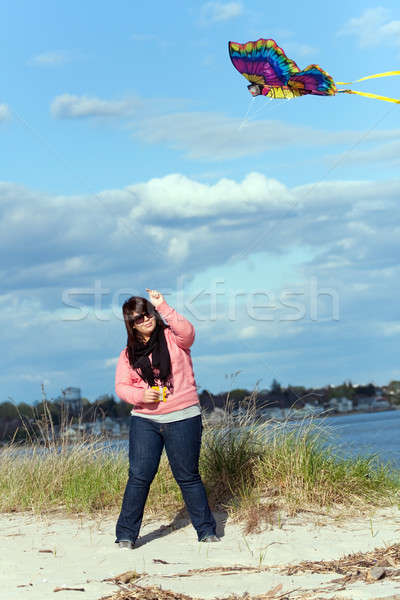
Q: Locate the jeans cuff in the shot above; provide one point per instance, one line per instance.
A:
(206, 535)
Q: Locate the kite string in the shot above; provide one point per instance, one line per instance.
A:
(42, 140)
(53, 151)
(270, 105)
(248, 249)
(255, 240)
(245, 118)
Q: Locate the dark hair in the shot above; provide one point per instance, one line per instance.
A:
(139, 305)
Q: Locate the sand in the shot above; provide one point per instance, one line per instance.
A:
(40, 554)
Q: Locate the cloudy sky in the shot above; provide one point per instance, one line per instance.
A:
(134, 156)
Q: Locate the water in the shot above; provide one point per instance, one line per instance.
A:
(364, 433)
(367, 433)
(350, 435)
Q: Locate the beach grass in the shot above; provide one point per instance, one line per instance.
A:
(252, 469)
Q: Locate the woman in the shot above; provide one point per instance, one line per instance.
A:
(158, 354)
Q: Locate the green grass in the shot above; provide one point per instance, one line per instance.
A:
(251, 471)
(77, 480)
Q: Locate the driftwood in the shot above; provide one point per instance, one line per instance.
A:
(359, 566)
(68, 589)
(156, 593)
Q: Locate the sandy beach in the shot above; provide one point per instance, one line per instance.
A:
(43, 554)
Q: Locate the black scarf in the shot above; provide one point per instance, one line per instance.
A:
(157, 346)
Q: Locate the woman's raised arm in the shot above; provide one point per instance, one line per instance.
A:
(182, 329)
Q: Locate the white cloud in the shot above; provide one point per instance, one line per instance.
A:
(373, 27)
(5, 112)
(190, 226)
(111, 362)
(288, 41)
(388, 153)
(295, 49)
(221, 11)
(217, 332)
(242, 357)
(51, 59)
(206, 135)
(248, 332)
(178, 248)
(187, 222)
(55, 270)
(201, 135)
(174, 225)
(68, 106)
(390, 328)
(175, 197)
(34, 378)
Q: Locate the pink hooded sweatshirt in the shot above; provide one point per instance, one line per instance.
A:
(129, 386)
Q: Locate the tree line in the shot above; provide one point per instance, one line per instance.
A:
(16, 419)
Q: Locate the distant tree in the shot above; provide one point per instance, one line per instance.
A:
(394, 392)
(366, 390)
(26, 410)
(238, 394)
(293, 399)
(297, 390)
(47, 410)
(123, 409)
(276, 387)
(8, 411)
(206, 399)
(106, 404)
(394, 386)
(345, 390)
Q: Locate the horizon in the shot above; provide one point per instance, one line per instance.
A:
(222, 392)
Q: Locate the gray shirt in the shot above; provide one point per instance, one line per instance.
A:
(176, 415)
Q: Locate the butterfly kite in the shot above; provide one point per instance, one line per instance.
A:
(271, 73)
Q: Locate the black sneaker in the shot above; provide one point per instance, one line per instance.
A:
(210, 538)
(125, 545)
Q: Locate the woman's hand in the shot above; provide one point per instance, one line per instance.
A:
(150, 396)
(155, 297)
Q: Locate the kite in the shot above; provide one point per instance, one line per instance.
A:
(271, 73)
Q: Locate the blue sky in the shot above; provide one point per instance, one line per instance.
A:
(134, 156)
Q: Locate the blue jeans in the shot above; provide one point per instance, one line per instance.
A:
(182, 440)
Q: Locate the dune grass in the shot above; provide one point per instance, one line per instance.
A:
(252, 469)
(259, 469)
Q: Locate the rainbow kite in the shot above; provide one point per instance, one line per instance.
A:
(271, 73)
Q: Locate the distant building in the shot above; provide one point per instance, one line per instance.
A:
(271, 412)
(72, 400)
(341, 405)
(380, 403)
(105, 427)
(364, 403)
(312, 409)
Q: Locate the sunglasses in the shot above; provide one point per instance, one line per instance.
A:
(139, 319)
